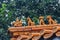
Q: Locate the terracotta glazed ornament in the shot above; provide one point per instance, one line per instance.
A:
(50, 20)
(34, 32)
(17, 23)
(41, 20)
(30, 23)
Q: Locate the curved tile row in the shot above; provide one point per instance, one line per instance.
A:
(35, 33)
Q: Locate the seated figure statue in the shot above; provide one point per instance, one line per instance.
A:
(17, 23)
(50, 20)
(41, 20)
(30, 23)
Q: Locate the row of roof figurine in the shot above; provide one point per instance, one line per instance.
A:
(18, 23)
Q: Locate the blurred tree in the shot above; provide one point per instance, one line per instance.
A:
(10, 9)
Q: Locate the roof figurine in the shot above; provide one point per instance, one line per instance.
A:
(34, 32)
(41, 20)
(29, 21)
(50, 20)
(17, 23)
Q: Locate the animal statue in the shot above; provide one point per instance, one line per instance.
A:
(17, 23)
(41, 20)
(50, 20)
(30, 23)
(34, 32)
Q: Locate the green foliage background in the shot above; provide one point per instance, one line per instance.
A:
(11, 9)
